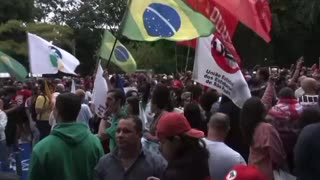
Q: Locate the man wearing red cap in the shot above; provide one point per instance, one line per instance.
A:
(183, 148)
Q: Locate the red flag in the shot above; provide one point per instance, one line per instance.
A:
(225, 22)
(255, 14)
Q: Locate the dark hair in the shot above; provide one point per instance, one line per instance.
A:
(10, 90)
(118, 94)
(161, 97)
(309, 116)
(208, 99)
(252, 113)
(137, 121)
(195, 90)
(130, 93)
(264, 73)
(68, 106)
(286, 93)
(193, 114)
(190, 160)
(134, 103)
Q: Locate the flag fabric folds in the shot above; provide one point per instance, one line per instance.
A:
(12, 66)
(46, 58)
(225, 22)
(120, 57)
(254, 14)
(216, 69)
(99, 94)
(151, 20)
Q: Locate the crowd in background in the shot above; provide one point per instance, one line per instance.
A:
(166, 127)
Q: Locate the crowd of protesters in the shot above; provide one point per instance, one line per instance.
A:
(166, 127)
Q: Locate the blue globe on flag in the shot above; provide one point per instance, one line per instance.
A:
(55, 57)
(121, 54)
(161, 20)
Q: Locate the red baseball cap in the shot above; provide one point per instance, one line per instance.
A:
(173, 123)
(243, 172)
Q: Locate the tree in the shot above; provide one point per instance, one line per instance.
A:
(16, 9)
(13, 39)
(159, 56)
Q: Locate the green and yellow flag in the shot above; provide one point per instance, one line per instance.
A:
(151, 20)
(120, 57)
(12, 66)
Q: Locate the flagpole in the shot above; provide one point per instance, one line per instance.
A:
(120, 30)
(176, 50)
(30, 69)
(187, 60)
(113, 47)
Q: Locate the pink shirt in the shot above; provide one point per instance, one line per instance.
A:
(266, 152)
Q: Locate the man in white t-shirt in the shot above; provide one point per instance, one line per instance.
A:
(222, 158)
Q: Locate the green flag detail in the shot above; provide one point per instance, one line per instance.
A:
(12, 66)
(120, 57)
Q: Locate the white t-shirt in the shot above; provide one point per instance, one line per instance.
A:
(222, 159)
(3, 123)
(84, 115)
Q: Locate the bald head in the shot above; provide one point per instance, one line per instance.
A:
(301, 78)
(220, 122)
(309, 85)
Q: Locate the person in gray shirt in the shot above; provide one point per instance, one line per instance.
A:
(222, 158)
(129, 161)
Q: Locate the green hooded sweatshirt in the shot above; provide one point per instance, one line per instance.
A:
(70, 153)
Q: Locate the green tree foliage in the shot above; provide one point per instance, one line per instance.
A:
(159, 56)
(77, 26)
(16, 9)
(13, 37)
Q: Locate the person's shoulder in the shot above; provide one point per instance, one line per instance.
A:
(106, 160)
(46, 144)
(153, 158)
(40, 98)
(94, 138)
(265, 125)
(310, 129)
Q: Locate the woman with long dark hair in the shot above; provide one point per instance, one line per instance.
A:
(183, 148)
(266, 149)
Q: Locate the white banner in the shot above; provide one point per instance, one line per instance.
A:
(216, 68)
(99, 95)
(46, 58)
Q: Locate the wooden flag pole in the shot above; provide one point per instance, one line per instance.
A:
(188, 54)
(112, 50)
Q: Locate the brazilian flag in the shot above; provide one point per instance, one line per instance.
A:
(120, 57)
(12, 66)
(151, 20)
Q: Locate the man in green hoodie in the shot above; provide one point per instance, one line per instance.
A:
(71, 151)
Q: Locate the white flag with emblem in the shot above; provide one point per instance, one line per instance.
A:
(46, 58)
(99, 95)
(216, 68)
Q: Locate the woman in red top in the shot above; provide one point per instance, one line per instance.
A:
(266, 149)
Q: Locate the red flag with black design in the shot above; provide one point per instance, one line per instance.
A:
(255, 14)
